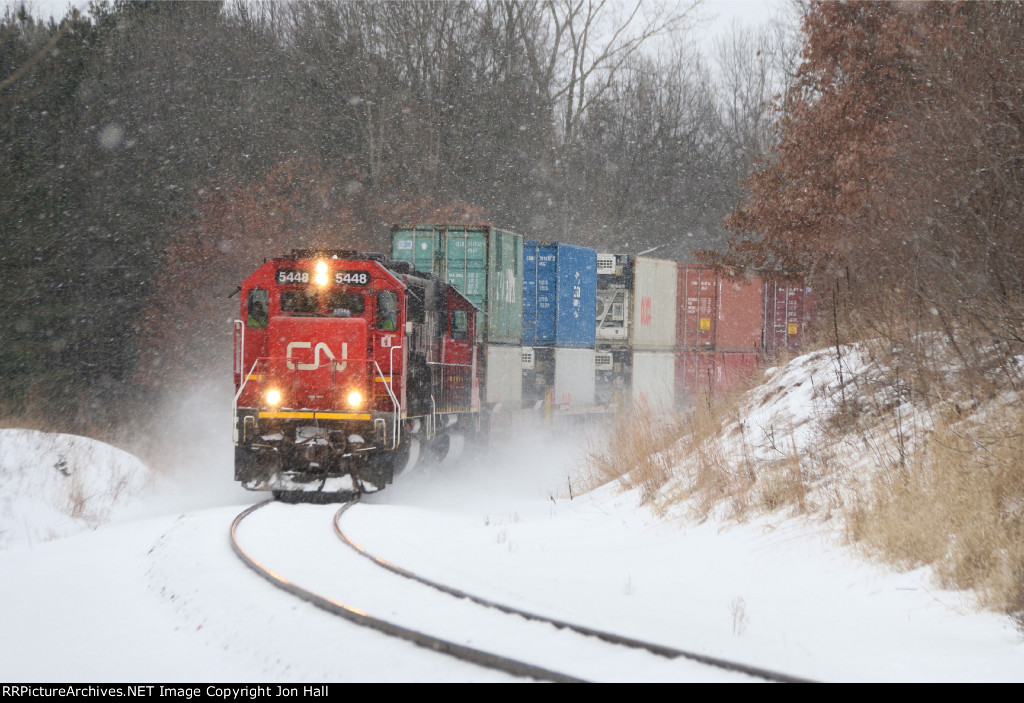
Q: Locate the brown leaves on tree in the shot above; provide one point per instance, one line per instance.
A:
(837, 135)
(899, 176)
(902, 141)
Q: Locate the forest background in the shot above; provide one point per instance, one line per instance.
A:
(152, 154)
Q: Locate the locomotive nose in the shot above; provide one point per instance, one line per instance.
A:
(321, 362)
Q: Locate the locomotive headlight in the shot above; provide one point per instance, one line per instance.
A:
(320, 278)
(273, 396)
(355, 399)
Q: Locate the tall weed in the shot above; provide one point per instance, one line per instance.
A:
(640, 452)
(957, 506)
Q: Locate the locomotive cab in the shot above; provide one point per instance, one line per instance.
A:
(345, 364)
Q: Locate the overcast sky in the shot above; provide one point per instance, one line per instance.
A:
(753, 12)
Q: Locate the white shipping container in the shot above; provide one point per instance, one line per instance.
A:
(654, 304)
(654, 380)
(505, 375)
(574, 378)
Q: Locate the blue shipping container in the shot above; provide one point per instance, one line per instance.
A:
(559, 295)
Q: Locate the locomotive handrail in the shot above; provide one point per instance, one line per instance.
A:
(239, 362)
(240, 347)
(396, 413)
(391, 360)
(394, 400)
(234, 402)
(380, 374)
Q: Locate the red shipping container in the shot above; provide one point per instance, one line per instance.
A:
(695, 374)
(740, 314)
(734, 368)
(697, 311)
(787, 311)
(717, 312)
(701, 375)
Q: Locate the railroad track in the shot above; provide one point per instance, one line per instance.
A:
(361, 588)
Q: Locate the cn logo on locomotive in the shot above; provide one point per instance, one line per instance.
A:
(320, 347)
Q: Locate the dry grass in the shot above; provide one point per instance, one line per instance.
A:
(920, 464)
(957, 505)
(944, 445)
(722, 471)
(645, 450)
(947, 490)
(715, 475)
(641, 452)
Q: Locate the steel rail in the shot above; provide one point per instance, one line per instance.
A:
(609, 637)
(358, 617)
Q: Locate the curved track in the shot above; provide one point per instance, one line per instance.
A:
(570, 652)
(359, 617)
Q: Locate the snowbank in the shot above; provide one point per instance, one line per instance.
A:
(54, 485)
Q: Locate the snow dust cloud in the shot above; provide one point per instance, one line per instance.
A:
(189, 448)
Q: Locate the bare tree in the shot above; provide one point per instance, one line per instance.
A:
(651, 165)
(589, 42)
(749, 85)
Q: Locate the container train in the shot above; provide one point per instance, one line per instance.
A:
(350, 366)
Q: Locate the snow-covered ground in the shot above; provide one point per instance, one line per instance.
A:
(155, 593)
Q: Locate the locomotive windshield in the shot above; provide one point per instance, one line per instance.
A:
(299, 301)
(336, 303)
(345, 304)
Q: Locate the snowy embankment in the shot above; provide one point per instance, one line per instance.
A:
(811, 434)
(54, 485)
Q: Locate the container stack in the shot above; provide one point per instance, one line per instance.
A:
(486, 265)
(572, 328)
(720, 321)
(559, 299)
(636, 330)
(728, 323)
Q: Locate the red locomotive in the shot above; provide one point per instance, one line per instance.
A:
(347, 366)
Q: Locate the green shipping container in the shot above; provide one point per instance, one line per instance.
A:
(484, 263)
